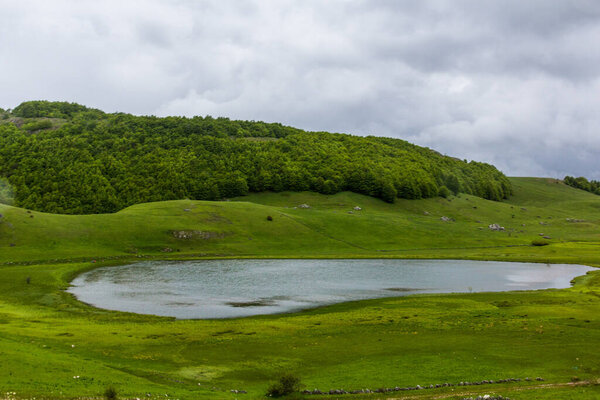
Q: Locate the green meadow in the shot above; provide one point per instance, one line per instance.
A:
(52, 346)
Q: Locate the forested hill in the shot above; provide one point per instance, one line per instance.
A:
(66, 158)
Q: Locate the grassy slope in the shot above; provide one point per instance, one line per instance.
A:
(326, 229)
(402, 341)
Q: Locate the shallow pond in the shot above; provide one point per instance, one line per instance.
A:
(237, 288)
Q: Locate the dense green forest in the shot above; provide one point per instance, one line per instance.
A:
(66, 158)
(582, 183)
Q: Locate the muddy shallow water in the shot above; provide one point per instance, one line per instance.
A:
(237, 288)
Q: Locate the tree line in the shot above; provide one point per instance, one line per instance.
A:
(583, 184)
(66, 158)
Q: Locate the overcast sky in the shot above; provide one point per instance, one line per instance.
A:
(512, 83)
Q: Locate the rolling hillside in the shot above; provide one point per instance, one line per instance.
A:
(330, 227)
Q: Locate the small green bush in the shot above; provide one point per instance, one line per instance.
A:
(269, 218)
(110, 393)
(444, 192)
(287, 384)
(539, 242)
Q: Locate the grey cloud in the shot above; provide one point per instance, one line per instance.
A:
(509, 82)
(154, 34)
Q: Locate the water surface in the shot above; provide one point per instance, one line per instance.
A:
(236, 288)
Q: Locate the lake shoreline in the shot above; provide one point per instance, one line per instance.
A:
(167, 302)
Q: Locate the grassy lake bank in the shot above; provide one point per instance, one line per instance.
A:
(52, 346)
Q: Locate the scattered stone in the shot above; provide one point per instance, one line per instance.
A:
(187, 235)
(187, 210)
(419, 387)
(12, 245)
(496, 227)
(167, 250)
(447, 219)
(573, 220)
(303, 206)
(542, 234)
(425, 213)
(357, 208)
(546, 237)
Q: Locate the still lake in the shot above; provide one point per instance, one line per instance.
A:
(238, 288)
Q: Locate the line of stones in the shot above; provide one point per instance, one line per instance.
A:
(418, 387)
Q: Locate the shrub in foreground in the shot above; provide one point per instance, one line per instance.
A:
(110, 393)
(287, 384)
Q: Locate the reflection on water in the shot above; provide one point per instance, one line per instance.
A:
(236, 288)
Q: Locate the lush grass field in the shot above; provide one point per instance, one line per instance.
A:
(52, 346)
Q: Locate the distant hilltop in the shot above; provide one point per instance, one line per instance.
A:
(63, 157)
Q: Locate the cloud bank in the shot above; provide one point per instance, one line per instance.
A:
(512, 83)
